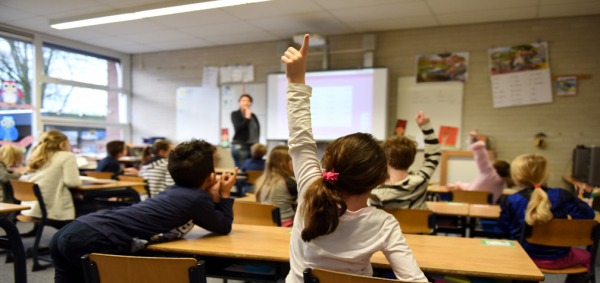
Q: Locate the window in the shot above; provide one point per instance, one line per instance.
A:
(16, 73)
(88, 140)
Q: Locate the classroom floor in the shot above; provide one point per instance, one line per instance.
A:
(44, 276)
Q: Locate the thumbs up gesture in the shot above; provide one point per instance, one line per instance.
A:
(295, 63)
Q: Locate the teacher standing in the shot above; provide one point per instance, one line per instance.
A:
(247, 130)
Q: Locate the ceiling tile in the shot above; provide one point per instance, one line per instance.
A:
(136, 48)
(181, 44)
(121, 4)
(571, 9)
(157, 36)
(205, 17)
(345, 4)
(78, 34)
(241, 38)
(380, 12)
(392, 24)
(109, 42)
(221, 29)
(289, 33)
(128, 27)
(10, 14)
(39, 24)
(305, 21)
(460, 6)
(488, 16)
(48, 6)
(79, 11)
(274, 8)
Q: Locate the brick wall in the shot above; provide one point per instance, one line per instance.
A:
(568, 121)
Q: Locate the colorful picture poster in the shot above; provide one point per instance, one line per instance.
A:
(443, 67)
(447, 136)
(400, 127)
(566, 86)
(520, 75)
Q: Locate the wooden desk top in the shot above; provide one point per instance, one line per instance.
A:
(484, 211)
(225, 170)
(111, 185)
(435, 254)
(441, 190)
(248, 198)
(8, 207)
(449, 208)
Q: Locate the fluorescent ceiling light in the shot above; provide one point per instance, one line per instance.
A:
(152, 13)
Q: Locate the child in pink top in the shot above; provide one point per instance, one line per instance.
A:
(492, 178)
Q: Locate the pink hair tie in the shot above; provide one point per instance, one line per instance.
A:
(330, 176)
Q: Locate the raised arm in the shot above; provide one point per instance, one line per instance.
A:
(401, 258)
(433, 150)
(303, 148)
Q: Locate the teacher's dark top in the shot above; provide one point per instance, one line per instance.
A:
(243, 127)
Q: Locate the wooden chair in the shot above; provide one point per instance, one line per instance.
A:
(256, 214)
(318, 275)
(253, 176)
(99, 268)
(471, 197)
(140, 189)
(27, 191)
(414, 221)
(99, 175)
(566, 233)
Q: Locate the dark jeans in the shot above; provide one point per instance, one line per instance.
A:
(72, 242)
(240, 153)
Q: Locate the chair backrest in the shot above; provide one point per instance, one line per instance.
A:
(253, 176)
(99, 175)
(471, 197)
(139, 189)
(596, 203)
(100, 268)
(318, 275)
(414, 221)
(562, 233)
(28, 191)
(256, 214)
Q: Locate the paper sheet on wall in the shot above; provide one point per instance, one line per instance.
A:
(237, 73)
(225, 73)
(520, 75)
(210, 76)
(248, 74)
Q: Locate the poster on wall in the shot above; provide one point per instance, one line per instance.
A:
(520, 75)
(566, 86)
(11, 95)
(443, 67)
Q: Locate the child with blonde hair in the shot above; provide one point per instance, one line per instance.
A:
(536, 204)
(277, 185)
(334, 228)
(10, 156)
(54, 168)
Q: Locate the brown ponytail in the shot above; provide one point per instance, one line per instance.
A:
(361, 165)
(154, 149)
(531, 170)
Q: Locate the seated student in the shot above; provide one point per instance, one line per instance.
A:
(537, 204)
(115, 150)
(405, 189)
(277, 184)
(493, 177)
(256, 163)
(334, 228)
(54, 168)
(154, 168)
(10, 156)
(198, 197)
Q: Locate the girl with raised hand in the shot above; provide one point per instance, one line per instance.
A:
(334, 228)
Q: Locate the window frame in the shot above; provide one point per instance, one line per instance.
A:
(38, 40)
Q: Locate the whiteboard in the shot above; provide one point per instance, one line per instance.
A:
(230, 95)
(442, 102)
(461, 169)
(198, 114)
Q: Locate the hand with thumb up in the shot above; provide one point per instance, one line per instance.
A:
(295, 63)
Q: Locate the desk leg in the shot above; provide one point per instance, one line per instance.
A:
(16, 246)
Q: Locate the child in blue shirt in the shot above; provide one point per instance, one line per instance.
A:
(114, 150)
(198, 197)
(256, 163)
(537, 204)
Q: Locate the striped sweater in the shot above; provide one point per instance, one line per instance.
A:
(412, 191)
(157, 175)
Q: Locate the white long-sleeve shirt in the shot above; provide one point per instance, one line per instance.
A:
(55, 178)
(359, 234)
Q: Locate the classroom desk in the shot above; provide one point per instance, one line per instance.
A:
(442, 190)
(449, 208)
(112, 185)
(120, 189)
(13, 242)
(248, 198)
(484, 211)
(434, 254)
(89, 167)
